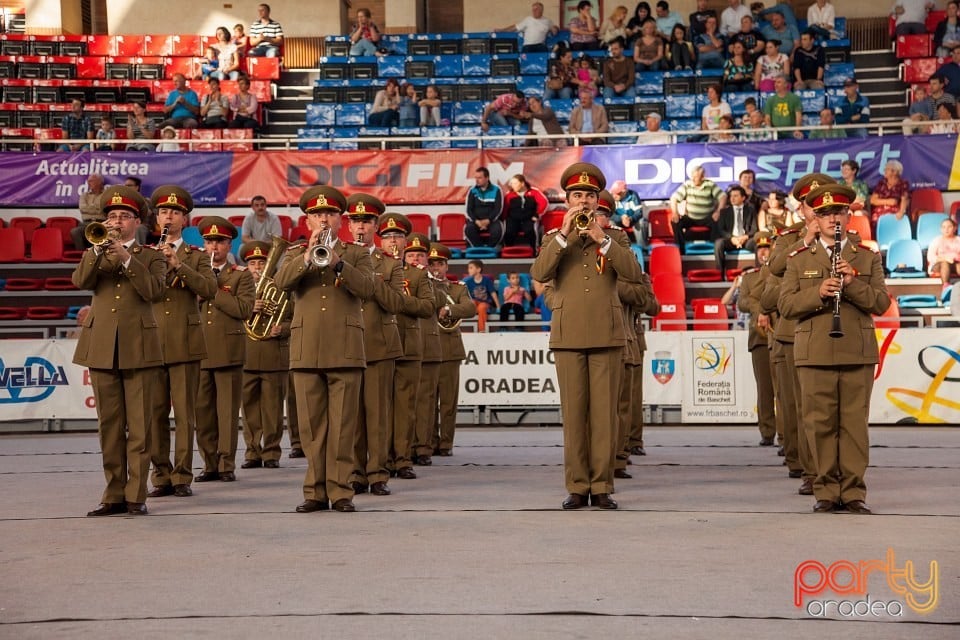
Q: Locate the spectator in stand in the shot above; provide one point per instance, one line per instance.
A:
(587, 76)
(849, 175)
(891, 195)
(735, 228)
(615, 27)
(484, 228)
(214, 107)
(787, 37)
(589, 117)
(542, 121)
(634, 26)
(749, 106)
(808, 63)
(949, 73)
(774, 214)
(666, 19)
(260, 224)
(725, 132)
(534, 29)
(408, 112)
(946, 113)
(702, 200)
(821, 19)
(921, 110)
(910, 16)
(90, 210)
(681, 54)
(227, 56)
(738, 70)
(243, 106)
(618, 73)
(182, 105)
(698, 19)
(652, 134)
(482, 292)
(784, 109)
(628, 211)
(770, 65)
(583, 28)
(783, 8)
(826, 120)
(715, 109)
(365, 36)
(209, 64)
(648, 48)
(943, 254)
(854, 109)
(562, 79)
(106, 134)
(240, 39)
(266, 35)
(710, 46)
(756, 129)
(731, 19)
(748, 180)
(514, 296)
(169, 135)
(76, 126)
(140, 127)
(506, 110)
(947, 34)
(752, 39)
(386, 105)
(430, 107)
(522, 207)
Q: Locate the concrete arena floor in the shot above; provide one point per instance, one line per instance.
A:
(709, 533)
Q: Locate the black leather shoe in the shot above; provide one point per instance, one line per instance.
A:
(295, 453)
(136, 509)
(271, 464)
(574, 501)
(795, 473)
(108, 509)
(182, 491)
(603, 501)
(380, 489)
(407, 473)
(858, 506)
(806, 488)
(207, 476)
(159, 492)
(621, 473)
(227, 476)
(825, 506)
(637, 451)
(344, 505)
(780, 452)
(251, 464)
(359, 487)
(766, 442)
(423, 461)
(309, 506)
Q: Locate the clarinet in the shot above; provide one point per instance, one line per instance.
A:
(835, 330)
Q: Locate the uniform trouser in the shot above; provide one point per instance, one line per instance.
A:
(123, 398)
(767, 420)
(836, 403)
(217, 416)
(448, 390)
(293, 425)
(176, 385)
(426, 408)
(263, 396)
(589, 381)
(804, 440)
(636, 407)
(778, 422)
(327, 402)
(405, 385)
(787, 398)
(625, 416)
(374, 422)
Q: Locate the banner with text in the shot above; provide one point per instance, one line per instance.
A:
(39, 380)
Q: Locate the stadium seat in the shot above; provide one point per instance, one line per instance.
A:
(422, 223)
(517, 251)
(59, 283)
(707, 309)
(660, 225)
(450, 229)
(46, 313)
(905, 259)
(917, 301)
(11, 245)
(925, 200)
(704, 275)
(860, 224)
(698, 248)
(928, 227)
(12, 313)
(889, 319)
(669, 312)
(65, 224)
(665, 259)
(552, 219)
(286, 223)
(889, 229)
(669, 287)
(28, 224)
(47, 245)
(954, 208)
(191, 235)
(480, 253)
(24, 284)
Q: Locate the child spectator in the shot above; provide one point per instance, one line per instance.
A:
(104, 133)
(513, 298)
(240, 39)
(725, 131)
(409, 108)
(749, 106)
(587, 75)
(482, 292)
(365, 36)
(430, 108)
(943, 256)
(681, 53)
(209, 63)
(169, 134)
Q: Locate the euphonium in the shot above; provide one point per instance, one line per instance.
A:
(448, 323)
(583, 219)
(274, 300)
(320, 252)
(99, 234)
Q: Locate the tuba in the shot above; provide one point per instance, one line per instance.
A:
(274, 300)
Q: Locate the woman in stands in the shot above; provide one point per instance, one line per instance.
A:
(710, 117)
(774, 214)
(615, 26)
(229, 67)
(243, 106)
(635, 25)
(891, 195)
(522, 207)
(821, 18)
(946, 114)
(430, 108)
(710, 46)
(849, 172)
(562, 80)
(681, 54)
(648, 50)
(770, 65)
(386, 105)
(947, 34)
(214, 107)
(943, 254)
(140, 127)
(738, 70)
(584, 30)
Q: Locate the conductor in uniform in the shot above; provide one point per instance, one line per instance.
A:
(587, 334)
(329, 281)
(836, 371)
(119, 343)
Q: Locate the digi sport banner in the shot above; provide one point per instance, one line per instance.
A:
(443, 177)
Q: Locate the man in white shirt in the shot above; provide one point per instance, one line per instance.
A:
(731, 16)
(911, 16)
(653, 133)
(535, 29)
(260, 224)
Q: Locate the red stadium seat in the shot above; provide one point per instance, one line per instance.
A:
(552, 219)
(450, 230)
(72, 255)
(64, 224)
(47, 245)
(101, 45)
(670, 312)
(59, 283)
(925, 200)
(665, 259)
(28, 224)
(12, 245)
(46, 313)
(704, 275)
(128, 45)
(518, 251)
(286, 223)
(236, 221)
(237, 134)
(422, 223)
(890, 319)
(934, 18)
(953, 210)
(208, 136)
(705, 309)
(156, 45)
(263, 68)
(24, 284)
(733, 273)
(919, 70)
(660, 226)
(915, 46)
(12, 313)
(861, 224)
(669, 287)
(185, 45)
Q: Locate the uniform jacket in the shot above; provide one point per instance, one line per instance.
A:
(418, 305)
(178, 312)
(381, 332)
(121, 312)
(271, 354)
(646, 303)
(451, 342)
(223, 317)
(327, 327)
(751, 287)
(787, 242)
(864, 297)
(586, 307)
(634, 296)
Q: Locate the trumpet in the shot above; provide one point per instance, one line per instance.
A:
(320, 253)
(99, 234)
(583, 219)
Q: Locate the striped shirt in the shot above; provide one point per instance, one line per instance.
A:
(701, 201)
(270, 30)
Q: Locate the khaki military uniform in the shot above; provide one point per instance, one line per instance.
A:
(427, 398)
(452, 355)
(266, 368)
(651, 308)
(221, 372)
(751, 287)
(641, 300)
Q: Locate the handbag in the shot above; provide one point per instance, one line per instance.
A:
(555, 84)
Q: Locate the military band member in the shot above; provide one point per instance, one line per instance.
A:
(751, 287)
(381, 343)
(119, 343)
(427, 400)
(836, 372)
(221, 371)
(293, 424)
(587, 335)
(189, 279)
(266, 366)
(418, 305)
(453, 304)
(650, 308)
(329, 281)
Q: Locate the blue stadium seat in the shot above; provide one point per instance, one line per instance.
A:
(463, 131)
(344, 132)
(835, 97)
(468, 112)
(448, 66)
(890, 229)
(191, 235)
(628, 126)
(396, 43)
(312, 133)
(531, 85)
(905, 260)
(534, 64)
(561, 108)
(928, 227)
(348, 115)
(476, 65)
(736, 100)
(681, 106)
(73, 311)
(917, 301)
(435, 132)
(835, 74)
(391, 66)
(698, 248)
(321, 115)
(480, 253)
(505, 143)
(649, 82)
(813, 100)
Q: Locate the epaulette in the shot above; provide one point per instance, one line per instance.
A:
(557, 230)
(360, 244)
(750, 270)
(786, 231)
(868, 248)
(237, 268)
(136, 249)
(298, 245)
(797, 251)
